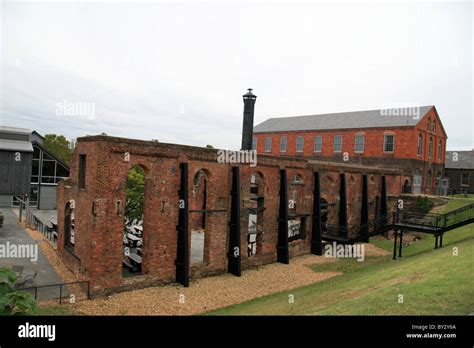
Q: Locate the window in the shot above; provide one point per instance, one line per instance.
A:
(82, 171)
(431, 148)
(283, 144)
(338, 143)
(254, 143)
(420, 145)
(318, 144)
(299, 144)
(434, 126)
(465, 179)
(440, 150)
(428, 125)
(359, 143)
(388, 143)
(268, 144)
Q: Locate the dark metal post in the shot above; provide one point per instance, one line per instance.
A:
(383, 198)
(182, 255)
(395, 245)
(436, 242)
(342, 202)
(364, 214)
(247, 128)
(21, 210)
(316, 242)
(234, 254)
(441, 240)
(401, 243)
(282, 246)
(36, 292)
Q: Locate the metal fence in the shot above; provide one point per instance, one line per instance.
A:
(49, 232)
(62, 292)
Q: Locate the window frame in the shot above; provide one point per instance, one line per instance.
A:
(334, 150)
(440, 149)
(320, 144)
(468, 179)
(420, 145)
(302, 144)
(286, 143)
(385, 143)
(268, 141)
(363, 143)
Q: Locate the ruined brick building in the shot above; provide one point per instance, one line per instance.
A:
(411, 139)
(247, 216)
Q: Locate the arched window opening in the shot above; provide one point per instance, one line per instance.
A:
(198, 216)
(296, 205)
(406, 186)
(133, 222)
(256, 211)
(69, 226)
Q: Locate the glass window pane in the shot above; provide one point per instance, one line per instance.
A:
(49, 168)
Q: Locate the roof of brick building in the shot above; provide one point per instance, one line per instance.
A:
(463, 160)
(382, 118)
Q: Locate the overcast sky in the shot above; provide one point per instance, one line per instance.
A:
(177, 72)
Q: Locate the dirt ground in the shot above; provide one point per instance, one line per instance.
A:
(204, 294)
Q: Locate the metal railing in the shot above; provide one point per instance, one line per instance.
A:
(49, 232)
(73, 291)
(360, 232)
(419, 219)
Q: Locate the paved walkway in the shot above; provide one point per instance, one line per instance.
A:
(12, 233)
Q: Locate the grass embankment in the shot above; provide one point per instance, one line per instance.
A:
(432, 282)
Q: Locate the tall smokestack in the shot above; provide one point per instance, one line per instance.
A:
(247, 128)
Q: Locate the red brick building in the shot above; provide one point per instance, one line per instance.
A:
(411, 139)
(91, 208)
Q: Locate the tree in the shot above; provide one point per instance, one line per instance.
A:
(134, 193)
(59, 146)
(12, 301)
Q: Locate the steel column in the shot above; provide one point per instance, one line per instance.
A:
(282, 246)
(342, 201)
(234, 253)
(182, 255)
(364, 213)
(316, 242)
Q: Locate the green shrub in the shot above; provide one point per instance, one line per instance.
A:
(423, 204)
(12, 301)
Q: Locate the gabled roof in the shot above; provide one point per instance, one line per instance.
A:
(465, 160)
(382, 118)
(43, 148)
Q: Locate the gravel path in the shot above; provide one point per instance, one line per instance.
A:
(204, 294)
(215, 292)
(209, 293)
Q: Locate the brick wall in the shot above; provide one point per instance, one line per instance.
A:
(405, 156)
(99, 207)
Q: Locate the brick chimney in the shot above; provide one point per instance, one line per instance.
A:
(247, 128)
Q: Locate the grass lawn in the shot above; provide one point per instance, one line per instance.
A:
(432, 282)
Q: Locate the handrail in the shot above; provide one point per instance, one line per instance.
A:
(434, 221)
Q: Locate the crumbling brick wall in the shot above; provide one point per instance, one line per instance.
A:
(99, 206)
